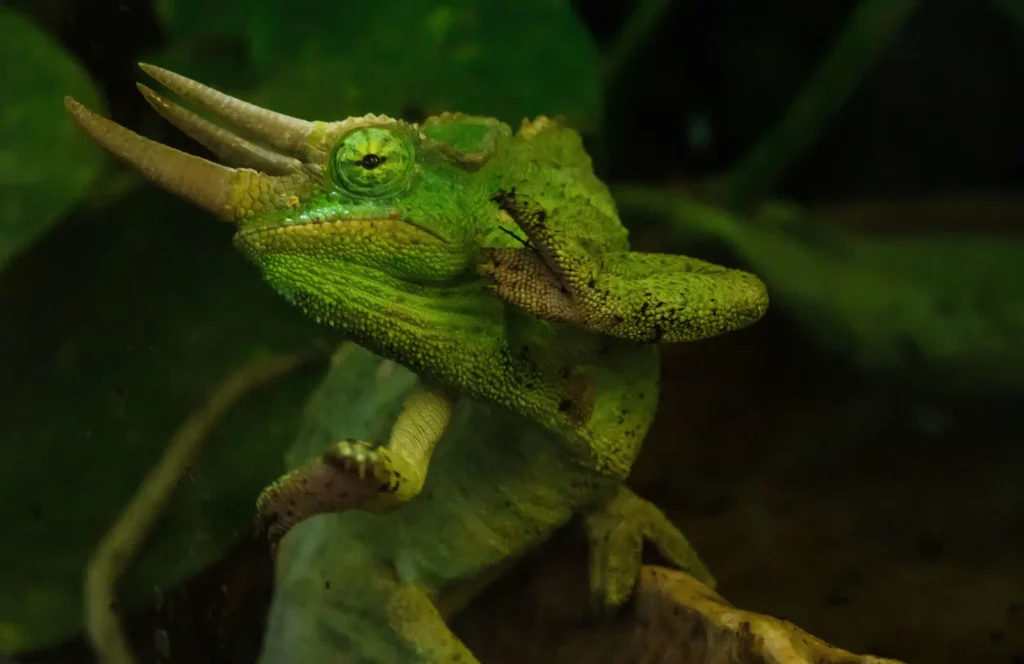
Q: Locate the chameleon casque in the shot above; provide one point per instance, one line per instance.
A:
(492, 264)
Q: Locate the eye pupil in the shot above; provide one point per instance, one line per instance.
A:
(371, 161)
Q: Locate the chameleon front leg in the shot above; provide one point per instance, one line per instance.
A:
(616, 531)
(356, 474)
(562, 276)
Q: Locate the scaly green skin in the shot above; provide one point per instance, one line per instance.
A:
(492, 265)
(398, 274)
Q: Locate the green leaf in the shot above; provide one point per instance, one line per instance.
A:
(508, 60)
(102, 360)
(946, 312)
(45, 163)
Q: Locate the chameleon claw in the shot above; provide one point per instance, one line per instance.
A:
(349, 474)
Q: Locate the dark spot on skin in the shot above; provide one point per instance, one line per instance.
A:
(641, 396)
(564, 405)
(565, 372)
(503, 198)
(327, 585)
(591, 283)
(621, 419)
(540, 216)
(371, 161)
(644, 306)
(617, 319)
(529, 386)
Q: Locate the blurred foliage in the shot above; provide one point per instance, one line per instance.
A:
(405, 57)
(45, 163)
(942, 312)
(151, 307)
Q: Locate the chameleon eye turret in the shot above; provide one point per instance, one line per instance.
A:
(373, 161)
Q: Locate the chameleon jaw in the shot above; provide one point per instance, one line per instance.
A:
(255, 242)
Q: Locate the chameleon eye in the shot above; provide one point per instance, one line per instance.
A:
(372, 161)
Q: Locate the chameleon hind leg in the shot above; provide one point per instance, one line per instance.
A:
(356, 474)
(616, 531)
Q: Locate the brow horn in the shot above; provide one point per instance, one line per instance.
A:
(229, 148)
(198, 180)
(276, 130)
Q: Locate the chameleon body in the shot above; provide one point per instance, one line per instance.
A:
(490, 267)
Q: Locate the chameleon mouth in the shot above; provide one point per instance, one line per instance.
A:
(256, 167)
(336, 226)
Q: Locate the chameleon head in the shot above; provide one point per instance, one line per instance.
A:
(355, 205)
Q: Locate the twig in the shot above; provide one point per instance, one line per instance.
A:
(122, 541)
(872, 26)
(639, 25)
(677, 619)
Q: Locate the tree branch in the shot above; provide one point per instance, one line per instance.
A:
(872, 26)
(122, 542)
(633, 34)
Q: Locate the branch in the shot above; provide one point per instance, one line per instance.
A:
(636, 30)
(872, 26)
(677, 619)
(121, 543)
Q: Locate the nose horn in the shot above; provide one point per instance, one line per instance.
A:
(204, 183)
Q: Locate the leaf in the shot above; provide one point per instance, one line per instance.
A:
(103, 359)
(947, 312)
(508, 60)
(45, 163)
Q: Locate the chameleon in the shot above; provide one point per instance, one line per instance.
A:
(491, 266)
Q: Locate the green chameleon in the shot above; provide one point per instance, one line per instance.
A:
(490, 265)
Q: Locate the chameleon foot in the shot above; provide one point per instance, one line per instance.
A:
(365, 461)
(561, 275)
(616, 532)
(348, 475)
